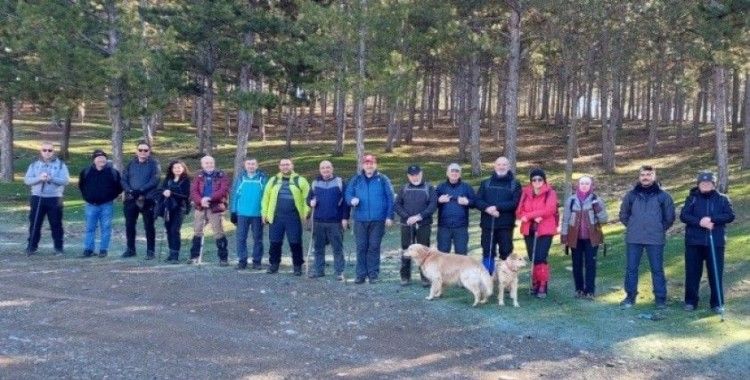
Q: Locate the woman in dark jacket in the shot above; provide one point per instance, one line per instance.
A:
(705, 214)
(583, 214)
(175, 193)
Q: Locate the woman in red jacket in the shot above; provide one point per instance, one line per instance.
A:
(538, 214)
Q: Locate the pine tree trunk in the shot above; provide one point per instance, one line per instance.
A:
(746, 123)
(572, 146)
(511, 101)
(208, 114)
(66, 126)
(735, 102)
(609, 132)
(545, 98)
(720, 119)
(431, 103)
(608, 154)
(423, 106)
(6, 140)
(340, 112)
(409, 135)
(115, 97)
(474, 115)
(500, 99)
(654, 125)
(393, 124)
(245, 115)
(359, 111)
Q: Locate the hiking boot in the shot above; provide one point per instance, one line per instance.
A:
(297, 270)
(627, 303)
(373, 280)
(359, 280)
(128, 253)
(588, 296)
(192, 260)
(315, 275)
(241, 265)
(405, 282)
(340, 277)
(30, 252)
(59, 252)
(661, 305)
(257, 266)
(273, 269)
(103, 253)
(223, 263)
(541, 293)
(86, 253)
(579, 294)
(718, 309)
(688, 307)
(149, 255)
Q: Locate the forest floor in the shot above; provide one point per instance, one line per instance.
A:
(117, 318)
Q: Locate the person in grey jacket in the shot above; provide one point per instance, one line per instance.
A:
(647, 212)
(140, 181)
(47, 177)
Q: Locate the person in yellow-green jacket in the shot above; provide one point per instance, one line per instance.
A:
(284, 208)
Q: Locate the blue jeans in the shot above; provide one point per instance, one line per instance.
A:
(98, 215)
(655, 254)
(329, 233)
(368, 235)
(246, 224)
(584, 260)
(458, 236)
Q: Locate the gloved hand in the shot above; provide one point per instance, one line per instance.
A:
(233, 218)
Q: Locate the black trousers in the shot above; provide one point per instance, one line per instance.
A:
(173, 226)
(132, 211)
(695, 256)
(409, 235)
(52, 208)
(502, 238)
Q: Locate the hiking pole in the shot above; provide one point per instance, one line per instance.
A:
(714, 267)
(489, 263)
(163, 235)
(36, 218)
(354, 240)
(533, 258)
(310, 245)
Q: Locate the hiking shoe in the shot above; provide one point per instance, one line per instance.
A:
(273, 269)
(315, 275)
(241, 265)
(103, 253)
(359, 280)
(541, 295)
(589, 296)
(688, 307)
(149, 255)
(579, 294)
(661, 305)
(627, 303)
(718, 309)
(173, 261)
(30, 252)
(405, 282)
(86, 253)
(223, 263)
(59, 252)
(373, 280)
(128, 253)
(340, 277)
(257, 266)
(297, 270)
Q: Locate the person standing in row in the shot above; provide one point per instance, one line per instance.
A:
(497, 199)
(330, 218)
(209, 192)
(537, 211)
(47, 177)
(647, 212)
(455, 198)
(175, 203)
(705, 214)
(583, 215)
(371, 194)
(415, 203)
(100, 186)
(284, 209)
(139, 181)
(247, 195)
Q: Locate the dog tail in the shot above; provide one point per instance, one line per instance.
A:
(487, 284)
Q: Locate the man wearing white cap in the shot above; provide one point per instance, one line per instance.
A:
(455, 198)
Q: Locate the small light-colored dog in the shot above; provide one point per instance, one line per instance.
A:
(447, 269)
(507, 278)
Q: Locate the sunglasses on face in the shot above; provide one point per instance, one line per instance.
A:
(47, 150)
(537, 179)
(143, 150)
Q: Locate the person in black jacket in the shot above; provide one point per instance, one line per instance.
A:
(497, 199)
(100, 185)
(140, 180)
(173, 205)
(455, 197)
(705, 214)
(415, 204)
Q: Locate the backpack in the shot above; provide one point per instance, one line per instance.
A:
(556, 215)
(295, 181)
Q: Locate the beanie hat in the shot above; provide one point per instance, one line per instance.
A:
(98, 153)
(706, 177)
(537, 172)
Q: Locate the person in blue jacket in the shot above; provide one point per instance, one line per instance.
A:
(455, 198)
(371, 195)
(245, 208)
(330, 219)
(705, 214)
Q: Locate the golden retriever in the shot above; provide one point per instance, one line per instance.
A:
(448, 269)
(507, 278)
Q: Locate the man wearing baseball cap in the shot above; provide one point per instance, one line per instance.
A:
(455, 198)
(100, 186)
(415, 203)
(705, 214)
(370, 194)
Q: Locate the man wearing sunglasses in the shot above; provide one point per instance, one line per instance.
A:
(140, 180)
(47, 177)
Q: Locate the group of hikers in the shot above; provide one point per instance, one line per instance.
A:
(366, 202)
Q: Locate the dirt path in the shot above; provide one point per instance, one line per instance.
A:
(100, 318)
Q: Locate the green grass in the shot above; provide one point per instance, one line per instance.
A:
(598, 324)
